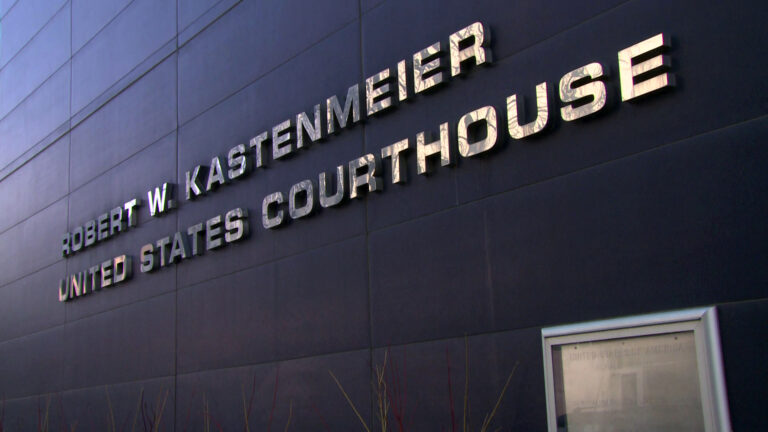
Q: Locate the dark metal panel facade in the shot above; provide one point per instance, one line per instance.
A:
(647, 206)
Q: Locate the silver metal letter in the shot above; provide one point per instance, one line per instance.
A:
(160, 201)
(394, 151)
(267, 219)
(441, 147)
(178, 248)
(90, 233)
(517, 131)
(305, 129)
(65, 249)
(77, 239)
(306, 188)
(122, 269)
(485, 114)
(238, 161)
(378, 92)
(593, 88)
(258, 142)
(103, 226)
(194, 188)
(478, 50)
(76, 285)
(215, 175)
(235, 225)
(93, 272)
(334, 111)
(213, 237)
(162, 243)
(648, 72)
(282, 139)
(147, 256)
(369, 178)
(332, 200)
(87, 286)
(160, 198)
(63, 290)
(106, 273)
(402, 81)
(427, 70)
(194, 233)
(116, 223)
(129, 206)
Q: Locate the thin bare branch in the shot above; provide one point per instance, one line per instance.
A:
(365, 426)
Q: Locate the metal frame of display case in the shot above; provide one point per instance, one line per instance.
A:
(703, 323)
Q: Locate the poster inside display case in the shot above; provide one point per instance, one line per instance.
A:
(639, 374)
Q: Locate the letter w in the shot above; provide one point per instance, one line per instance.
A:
(160, 201)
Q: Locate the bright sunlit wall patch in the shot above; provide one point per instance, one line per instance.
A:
(645, 373)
